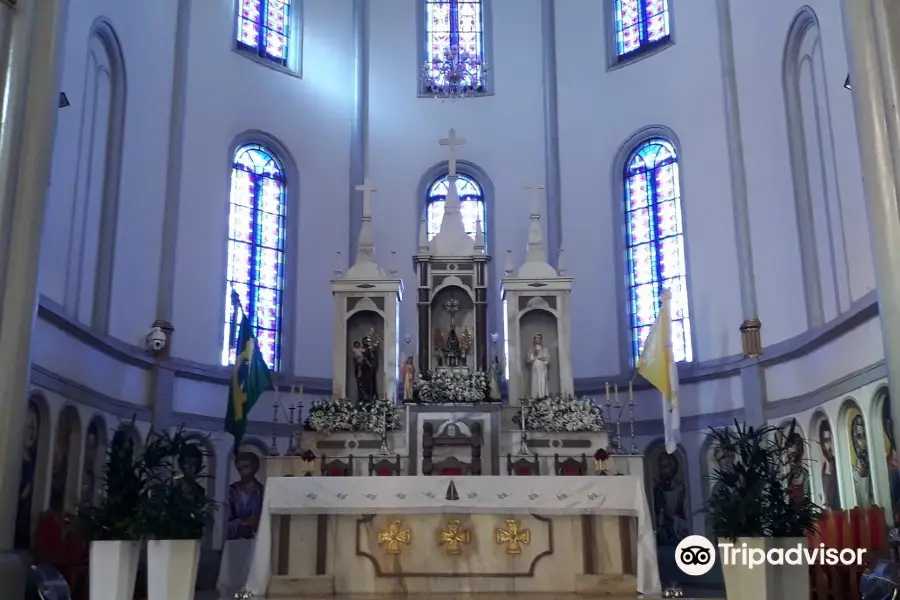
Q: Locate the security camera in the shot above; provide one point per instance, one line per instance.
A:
(156, 340)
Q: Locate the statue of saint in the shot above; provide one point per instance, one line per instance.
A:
(358, 357)
(408, 377)
(369, 371)
(245, 498)
(539, 361)
(494, 374)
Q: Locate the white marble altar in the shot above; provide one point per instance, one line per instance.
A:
(366, 299)
(351, 535)
(536, 300)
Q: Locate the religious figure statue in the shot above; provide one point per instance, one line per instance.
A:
(798, 482)
(368, 391)
(862, 480)
(439, 345)
(495, 372)
(408, 377)
(832, 498)
(669, 494)
(358, 355)
(245, 498)
(539, 362)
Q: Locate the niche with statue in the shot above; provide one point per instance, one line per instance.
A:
(453, 329)
(539, 360)
(365, 356)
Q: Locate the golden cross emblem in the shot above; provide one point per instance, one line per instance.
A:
(393, 536)
(452, 537)
(514, 537)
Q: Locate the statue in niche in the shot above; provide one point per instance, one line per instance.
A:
(862, 480)
(368, 381)
(539, 363)
(408, 377)
(494, 374)
(439, 343)
(358, 355)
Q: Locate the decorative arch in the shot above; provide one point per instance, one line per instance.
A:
(89, 277)
(887, 471)
(647, 180)
(465, 169)
(679, 526)
(64, 479)
(817, 199)
(471, 204)
(95, 441)
(855, 437)
(260, 250)
(825, 461)
(129, 432)
(35, 473)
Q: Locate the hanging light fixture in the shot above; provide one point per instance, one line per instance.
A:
(456, 73)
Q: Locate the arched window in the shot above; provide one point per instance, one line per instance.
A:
(655, 244)
(471, 204)
(640, 24)
(256, 249)
(454, 47)
(268, 29)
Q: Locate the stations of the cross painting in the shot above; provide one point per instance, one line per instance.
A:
(534, 188)
(367, 188)
(452, 141)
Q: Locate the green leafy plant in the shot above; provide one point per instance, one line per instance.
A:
(752, 493)
(174, 504)
(115, 516)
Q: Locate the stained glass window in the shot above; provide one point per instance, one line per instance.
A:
(264, 28)
(256, 249)
(655, 244)
(640, 24)
(454, 45)
(471, 204)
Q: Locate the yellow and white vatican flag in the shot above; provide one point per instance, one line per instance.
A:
(657, 366)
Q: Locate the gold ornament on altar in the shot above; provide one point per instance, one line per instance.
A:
(452, 537)
(465, 341)
(393, 536)
(513, 537)
(373, 338)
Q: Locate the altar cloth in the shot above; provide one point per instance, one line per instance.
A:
(545, 496)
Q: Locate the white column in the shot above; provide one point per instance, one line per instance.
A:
(871, 28)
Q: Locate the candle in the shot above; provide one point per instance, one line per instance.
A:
(630, 394)
(607, 393)
(616, 391)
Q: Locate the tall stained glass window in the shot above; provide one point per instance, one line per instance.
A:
(640, 24)
(655, 244)
(256, 249)
(471, 204)
(264, 28)
(454, 45)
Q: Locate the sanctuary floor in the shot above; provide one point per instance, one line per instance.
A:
(690, 594)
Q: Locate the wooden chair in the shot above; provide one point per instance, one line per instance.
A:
(522, 466)
(59, 544)
(451, 466)
(570, 465)
(384, 467)
(337, 467)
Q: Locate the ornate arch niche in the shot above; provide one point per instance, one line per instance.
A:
(885, 457)
(537, 317)
(64, 463)
(824, 465)
(855, 431)
(452, 313)
(35, 469)
(668, 492)
(95, 441)
(364, 316)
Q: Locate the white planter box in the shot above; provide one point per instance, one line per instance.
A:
(172, 569)
(113, 569)
(765, 582)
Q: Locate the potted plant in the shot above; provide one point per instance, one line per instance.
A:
(113, 524)
(753, 502)
(175, 513)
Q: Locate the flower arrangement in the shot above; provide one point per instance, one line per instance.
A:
(562, 413)
(338, 414)
(450, 387)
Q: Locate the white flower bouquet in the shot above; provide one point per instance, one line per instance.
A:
(562, 413)
(452, 387)
(341, 415)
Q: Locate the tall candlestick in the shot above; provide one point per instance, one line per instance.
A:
(616, 388)
(630, 394)
(607, 393)
(273, 451)
(290, 449)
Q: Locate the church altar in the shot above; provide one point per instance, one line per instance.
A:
(467, 534)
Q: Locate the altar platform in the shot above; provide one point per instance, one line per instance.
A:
(380, 537)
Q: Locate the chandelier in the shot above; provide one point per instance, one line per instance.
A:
(456, 73)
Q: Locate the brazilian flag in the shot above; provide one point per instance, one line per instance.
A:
(249, 380)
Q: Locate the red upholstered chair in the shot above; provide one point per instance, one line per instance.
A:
(571, 465)
(384, 467)
(452, 466)
(59, 543)
(522, 466)
(337, 467)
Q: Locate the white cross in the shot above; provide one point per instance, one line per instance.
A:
(452, 141)
(367, 188)
(535, 189)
